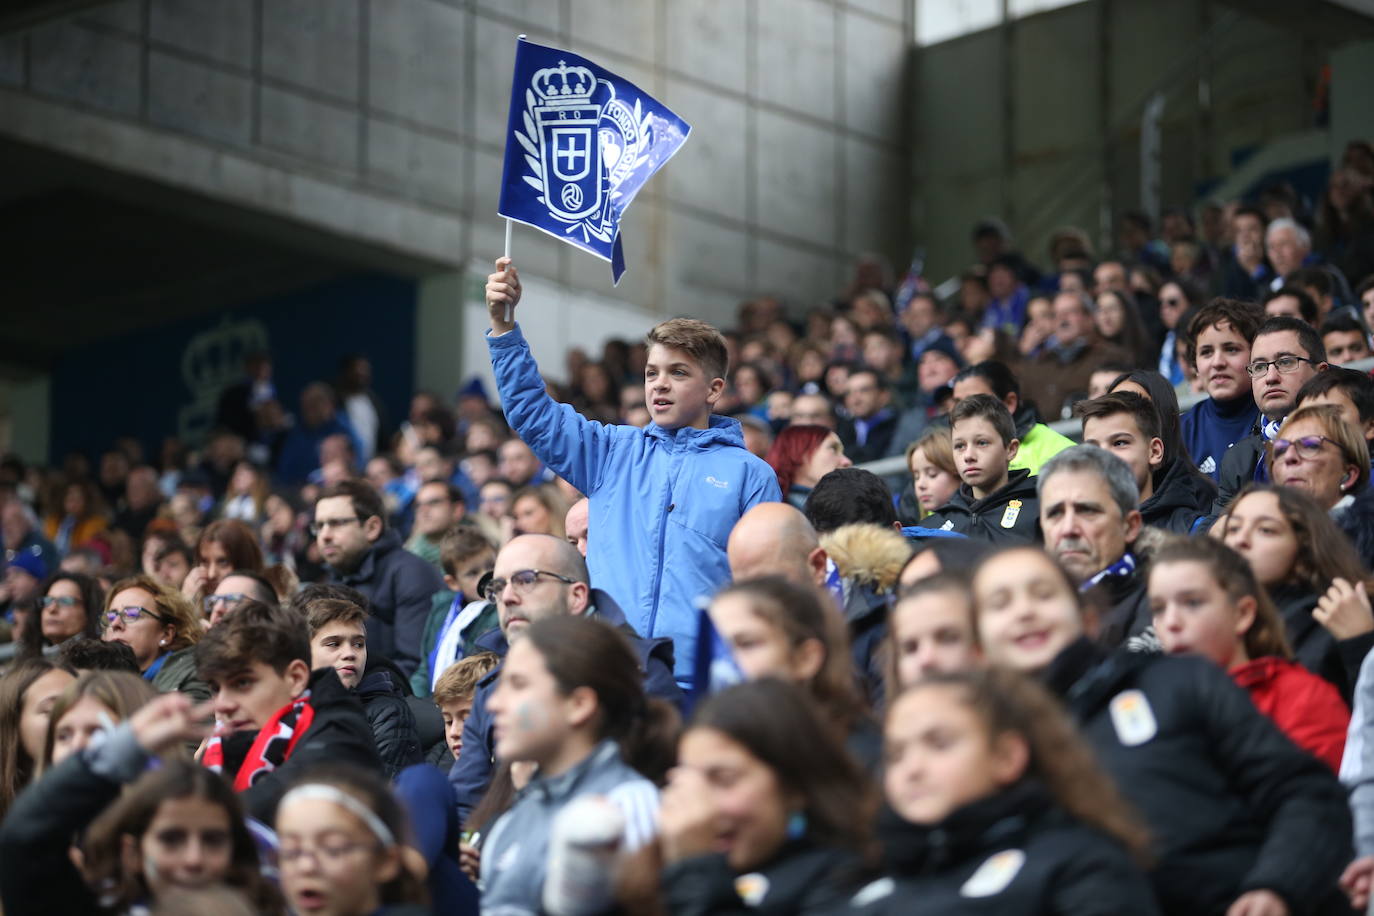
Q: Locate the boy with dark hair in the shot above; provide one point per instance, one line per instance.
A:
(848, 496)
(1173, 495)
(1345, 339)
(338, 640)
(1350, 390)
(1039, 443)
(275, 718)
(97, 655)
(993, 503)
(1219, 338)
(459, 614)
(453, 694)
(1292, 302)
(679, 484)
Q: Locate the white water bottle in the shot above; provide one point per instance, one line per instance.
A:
(583, 845)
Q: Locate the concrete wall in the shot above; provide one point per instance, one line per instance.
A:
(1038, 121)
(382, 122)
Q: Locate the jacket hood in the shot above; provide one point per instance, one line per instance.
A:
(381, 677)
(1178, 486)
(1025, 418)
(721, 431)
(868, 554)
(1020, 485)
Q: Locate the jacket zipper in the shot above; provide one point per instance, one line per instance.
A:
(662, 537)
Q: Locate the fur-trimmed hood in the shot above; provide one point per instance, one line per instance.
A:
(867, 554)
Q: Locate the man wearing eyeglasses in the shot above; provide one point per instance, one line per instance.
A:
(363, 552)
(1285, 354)
(539, 576)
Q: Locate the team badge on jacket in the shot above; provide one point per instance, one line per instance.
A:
(752, 888)
(994, 875)
(1012, 513)
(1133, 718)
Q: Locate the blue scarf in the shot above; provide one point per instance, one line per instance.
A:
(155, 667)
(1122, 567)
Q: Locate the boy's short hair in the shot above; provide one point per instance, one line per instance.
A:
(460, 543)
(848, 496)
(459, 680)
(1358, 387)
(253, 633)
(321, 613)
(699, 340)
(1341, 323)
(1244, 317)
(318, 591)
(1141, 409)
(990, 409)
(1307, 306)
(97, 655)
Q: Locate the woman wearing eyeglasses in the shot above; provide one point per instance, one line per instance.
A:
(70, 607)
(162, 628)
(1318, 451)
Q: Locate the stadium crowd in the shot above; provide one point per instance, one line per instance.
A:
(650, 642)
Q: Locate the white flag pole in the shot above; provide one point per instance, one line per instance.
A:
(508, 225)
(520, 37)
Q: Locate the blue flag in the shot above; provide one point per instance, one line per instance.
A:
(580, 144)
(715, 667)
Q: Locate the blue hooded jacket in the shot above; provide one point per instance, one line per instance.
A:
(662, 502)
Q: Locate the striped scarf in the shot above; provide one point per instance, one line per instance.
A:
(270, 748)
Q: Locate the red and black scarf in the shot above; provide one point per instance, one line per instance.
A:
(249, 755)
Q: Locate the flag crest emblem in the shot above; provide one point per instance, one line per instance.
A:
(581, 143)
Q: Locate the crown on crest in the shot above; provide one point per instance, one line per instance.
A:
(564, 85)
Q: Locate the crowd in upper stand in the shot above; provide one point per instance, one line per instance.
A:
(650, 642)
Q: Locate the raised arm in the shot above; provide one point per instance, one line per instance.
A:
(573, 446)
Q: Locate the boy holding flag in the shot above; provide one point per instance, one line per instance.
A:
(662, 499)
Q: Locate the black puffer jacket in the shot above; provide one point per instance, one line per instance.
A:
(1011, 515)
(802, 878)
(1182, 496)
(399, 587)
(1014, 854)
(1336, 660)
(382, 691)
(1232, 803)
(339, 733)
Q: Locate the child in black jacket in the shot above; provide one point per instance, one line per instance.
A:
(1242, 820)
(995, 805)
(993, 504)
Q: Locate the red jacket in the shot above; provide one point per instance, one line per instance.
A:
(1306, 707)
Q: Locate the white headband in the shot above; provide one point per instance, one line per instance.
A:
(341, 798)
